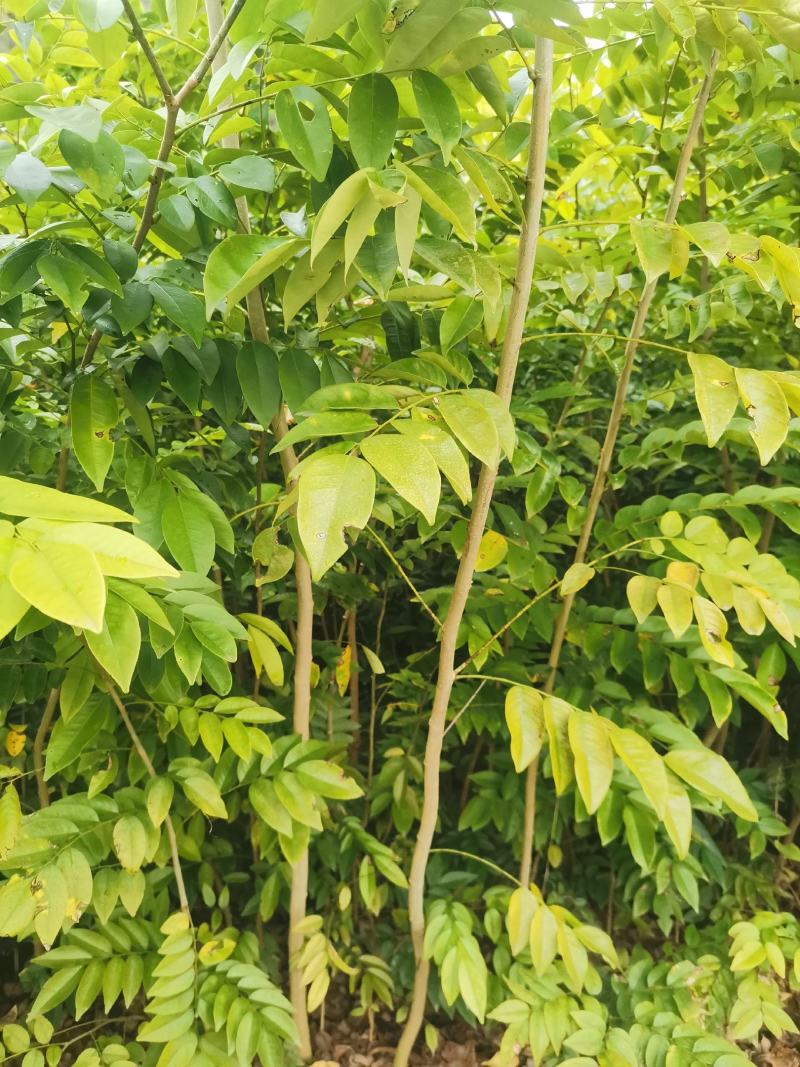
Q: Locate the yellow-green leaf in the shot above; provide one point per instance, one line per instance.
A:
(525, 719)
(62, 581)
(715, 390)
(712, 775)
(593, 755)
(766, 406)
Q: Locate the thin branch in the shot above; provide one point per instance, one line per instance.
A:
(399, 568)
(526, 256)
(144, 757)
(149, 54)
(38, 747)
(464, 708)
(172, 103)
(607, 452)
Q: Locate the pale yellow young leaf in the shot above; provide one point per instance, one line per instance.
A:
(642, 591)
(593, 756)
(525, 719)
(63, 581)
(715, 390)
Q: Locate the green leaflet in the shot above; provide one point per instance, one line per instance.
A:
(372, 114)
(593, 756)
(94, 412)
(183, 309)
(335, 492)
(99, 163)
(449, 457)
(26, 499)
(715, 389)
(63, 581)
(662, 249)
(445, 195)
(335, 210)
(118, 554)
(645, 764)
(189, 533)
(329, 15)
(250, 172)
(766, 405)
(310, 139)
(257, 370)
(712, 775)
(69, 739)
(239, 264)
(462, 315)
(438, 110)
(327, 424)
(98, 15)
(474, 427)
(66, 280)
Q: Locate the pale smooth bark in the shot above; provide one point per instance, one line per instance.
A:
(526, 256)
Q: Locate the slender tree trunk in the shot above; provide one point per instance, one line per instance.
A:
(607, 453)
(537, 161)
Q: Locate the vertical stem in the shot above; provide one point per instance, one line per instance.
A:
(526, 255)
(607, 451)
(352, 641)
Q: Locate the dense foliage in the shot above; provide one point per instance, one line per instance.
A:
(295, 726)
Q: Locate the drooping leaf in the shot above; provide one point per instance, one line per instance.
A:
(94, 412)
(302, 115)
(711, 774)
(593, 756)
(335, 492)
(63, 581)
(408, 467)
(372, 116)
(525, 720)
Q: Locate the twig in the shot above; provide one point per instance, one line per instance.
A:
(149, 54)
(404, 575)
(464, 707)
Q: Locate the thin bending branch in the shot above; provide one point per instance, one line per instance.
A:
(526, 255)
(149, 54)
(38, 747)
(400, 570)
(172, 104)
(607, 454)
(143, 756)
